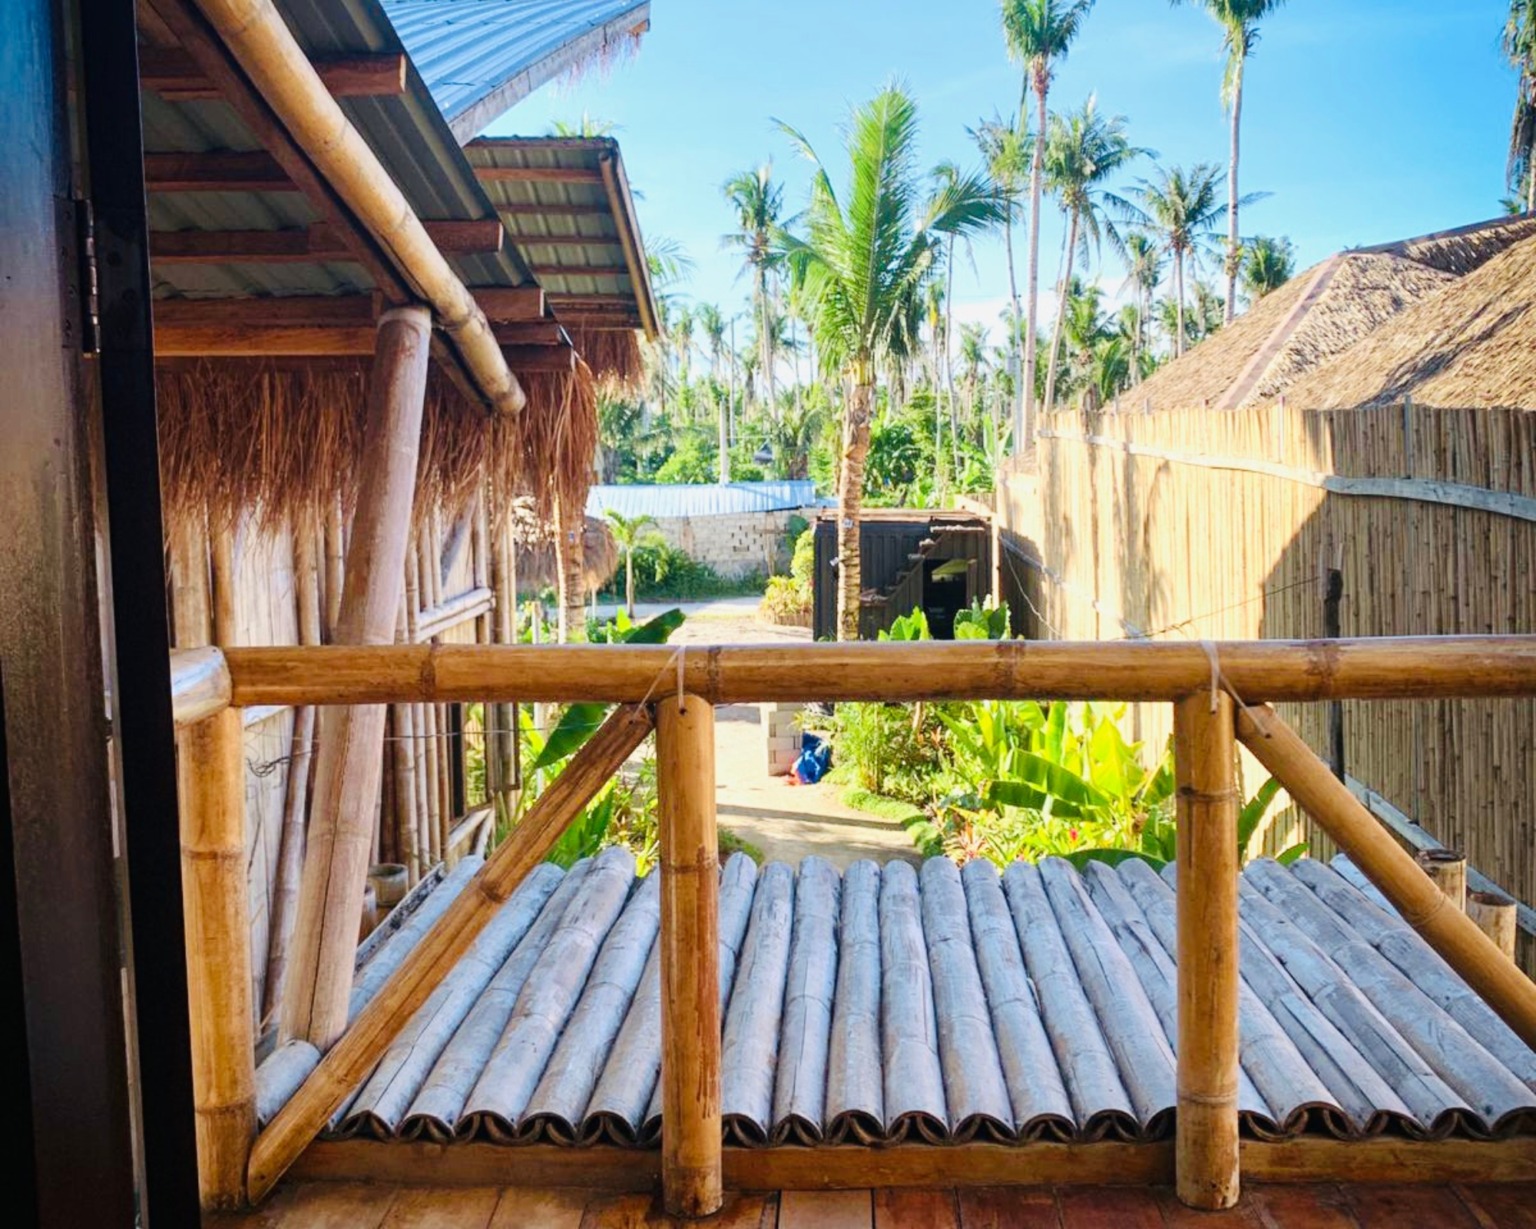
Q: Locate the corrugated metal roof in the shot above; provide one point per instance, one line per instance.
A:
(544, 216)
(943, 1005)
(407, 133)
(701, 499)
(479, 57)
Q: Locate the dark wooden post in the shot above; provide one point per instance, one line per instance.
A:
(1205, 762)
(1333, 593)
(349, 760)
(690, 945)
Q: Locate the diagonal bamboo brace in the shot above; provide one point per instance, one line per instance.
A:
(367, 1037)
(1401, 880)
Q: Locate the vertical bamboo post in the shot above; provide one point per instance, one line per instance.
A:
(335, 567)
(1448, 869)
(1496, 916)
(690, 941)
(223, 547)
(1206, 1132)
(349, 760)
(211, 767)
(290, 861)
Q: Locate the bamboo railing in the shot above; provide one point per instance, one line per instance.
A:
(1219, 693)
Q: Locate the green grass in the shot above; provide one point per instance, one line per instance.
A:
(914, 819)
(730, 843)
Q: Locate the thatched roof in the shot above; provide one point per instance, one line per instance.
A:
(1320, 314)
(1472, 346)
(534, 537)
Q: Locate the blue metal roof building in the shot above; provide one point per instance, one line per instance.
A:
(702, 499)
(480, 57)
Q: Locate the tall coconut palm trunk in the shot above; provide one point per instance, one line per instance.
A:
(1024, 420)
(1178, 300)
(1234, 244)
(569, 567)
(1061, 312)
(850, 503)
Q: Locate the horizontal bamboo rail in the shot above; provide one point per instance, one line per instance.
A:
(200, 684)
(1383, 861)
(367, 1037)
(1398, 668)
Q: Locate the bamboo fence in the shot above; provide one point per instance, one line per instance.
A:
(1212, 524)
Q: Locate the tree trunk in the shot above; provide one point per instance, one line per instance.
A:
(1234, 244)
(1036, 167)
(629, 582)
(569, 541)
(1178, 298)
(850, 499)
(1061, 313)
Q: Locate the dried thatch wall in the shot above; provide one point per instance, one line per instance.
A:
(1161, 545)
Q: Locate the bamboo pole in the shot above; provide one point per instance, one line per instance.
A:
(287, 81)
(429, 741)
(1276, 670)
(223, 549)
(690, 941)
(1496, 916)
(1205, 1140)
(211, 770)
(191, 610)
(1447, 870)
(335, 567)
(298, 1122)
(349, 761)
(1371, 848)
(290, 861)
(200, 684)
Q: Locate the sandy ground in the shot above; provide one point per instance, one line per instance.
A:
(785, 821)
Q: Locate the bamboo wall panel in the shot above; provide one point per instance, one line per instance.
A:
(1162, 546)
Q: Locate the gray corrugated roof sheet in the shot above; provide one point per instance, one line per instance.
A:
(942, 1005)
(407, 133)
(479, 57)
(701, 499)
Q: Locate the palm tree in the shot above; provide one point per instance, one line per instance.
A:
(629, 532)
(585, 127)
(1144, 269)
(1520, 46)
(862, 264)
(712, 325)
(1038, 33)
(1239, 20)
(1003, 145)
(1267, 265)
(1181, 209)
(758, 203)
(1083, 150)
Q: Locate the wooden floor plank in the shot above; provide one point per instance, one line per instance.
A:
(1394, 1206)
(1105, 1207)
(825, 1210)
(645, 1212)
(466, 1207)
(916, 1208)
(554, 1207)
(1502, 1205)
(1284, 1204)
(1008, 1207)
(338, 1205)
(1177, 1216)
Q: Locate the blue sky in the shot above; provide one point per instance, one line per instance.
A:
(1366, 120)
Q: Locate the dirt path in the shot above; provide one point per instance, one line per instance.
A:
(785, 821)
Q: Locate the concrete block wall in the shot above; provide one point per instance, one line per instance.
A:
(734, 545)
(781, 736)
